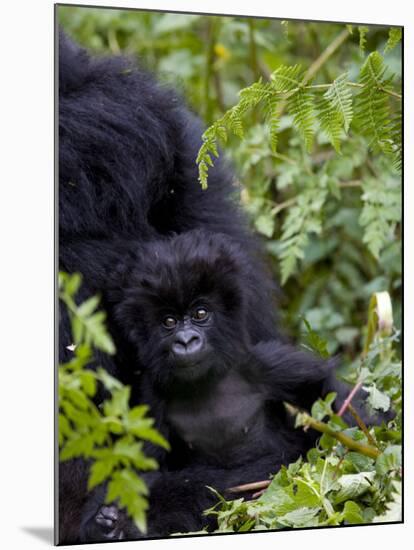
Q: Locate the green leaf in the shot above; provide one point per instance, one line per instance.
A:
(88, 381)
(301, 107)
(72, 283)
(389, 460)
(315, 342)
(286, 78)
(363, 31)
(88, 307)
(335, 110)
(265, 224)
(301, 517)
(323, 407)
(393, 507)
(100, 471)
(352, 486)
(352, 513)
(378, 400)
(381, 212)
(108, 381)
(273, 119)
(118, 404)
(373, 116)
(394, 38)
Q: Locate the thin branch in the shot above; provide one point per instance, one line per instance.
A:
(255, 486)
(253, 49)
(348, 400)
(282, 205)
(362, 448)
(362, 425)
(319, 62)
(325, 55)
(385, 90)
(209, 68)
(350, 183)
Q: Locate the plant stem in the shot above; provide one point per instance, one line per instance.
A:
(210, 57)
(362, 425)
(325, 55)
(256, 485)
(317, 64)
(348, 400)
(362, 448)
(385, 90)
(253, 50)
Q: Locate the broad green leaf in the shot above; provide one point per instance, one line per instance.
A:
(353, 485)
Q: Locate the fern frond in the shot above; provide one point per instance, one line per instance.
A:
(340, 97)
(394, 38)
(302, 219)
(301, 107)
(331, 122)
(372, 105)
(335, 110)
(286, 78)
(232, 121)
(273, 119)
(254, 94)
(396, 136)
(363, 31)
(235, 121)
(380, 213)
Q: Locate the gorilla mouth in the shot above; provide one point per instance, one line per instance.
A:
(190, 366)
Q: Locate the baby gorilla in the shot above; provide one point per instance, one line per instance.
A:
(216, 397)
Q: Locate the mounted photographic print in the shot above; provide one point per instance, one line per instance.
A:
(230, 275)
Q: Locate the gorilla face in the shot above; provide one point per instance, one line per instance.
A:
(186, 341)
(183, 307)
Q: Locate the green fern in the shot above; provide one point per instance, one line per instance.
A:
(232, 121)
(363, 31)
(396, 136)
(335, 110)
(380, 213)
(394, 38)
(330, 121)
(302, 219)
(301, 107)
(286, 78)
(273, 120)
(372, 105)
(340, 97)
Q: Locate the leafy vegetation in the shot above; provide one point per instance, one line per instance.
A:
(110, 436)
(346, 242)
(354, 474)
(310, 116)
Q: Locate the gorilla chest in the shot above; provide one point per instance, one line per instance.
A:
(221, 420)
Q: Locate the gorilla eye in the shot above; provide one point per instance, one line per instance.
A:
(200, 314)
(169, 322)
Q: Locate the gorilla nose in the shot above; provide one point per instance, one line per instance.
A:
(186, 343)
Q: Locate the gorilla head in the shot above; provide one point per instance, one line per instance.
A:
(184, 306)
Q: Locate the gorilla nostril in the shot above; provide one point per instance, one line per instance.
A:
(194, 344)
(186, 343)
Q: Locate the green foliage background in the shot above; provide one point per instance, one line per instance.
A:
(309, 114)
(339, 212)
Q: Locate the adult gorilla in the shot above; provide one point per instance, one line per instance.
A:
(127, 150)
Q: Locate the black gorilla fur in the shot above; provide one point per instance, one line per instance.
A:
(127, 149)
(127, 177)
(218, 398)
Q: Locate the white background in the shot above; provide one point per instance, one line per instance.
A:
(26, 272)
